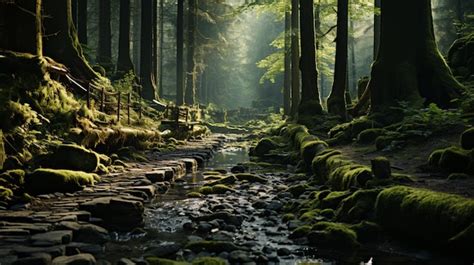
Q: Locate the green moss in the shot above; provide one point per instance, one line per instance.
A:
(428, 216)
(300, 232)
(160, 261)
(229, 180)
(333, 199)
(333, 235)
(216, 189)
(14, 177)
(213, 177)
(309, 149)
(194, 195)
(327, 213)
(358, 206)
(454, 159)
(367, 231)
(211, 246)
(383, 142)
(250, 178)
(209, 261)
(318, 165)
(211, 173)
(297, 190)
(368, 136)
(310, 216)
(264, 146)
(288, 217)
(43, 181)
(72, 157)
(351, 175)
(5, 194)
(467, 139)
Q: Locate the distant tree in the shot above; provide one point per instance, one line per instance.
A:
(136, 37)
(82, 21)
(409, 66)
(309, 76)
(179, 54)
(336, 101)
(39, 27)
(295, 58)
(104, 51)
(190, 94)
(160, 49)
(287, 73)
(146, 53)
(124, 61)
(154, 26)
(377, 27)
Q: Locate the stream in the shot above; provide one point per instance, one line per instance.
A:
(169, 225)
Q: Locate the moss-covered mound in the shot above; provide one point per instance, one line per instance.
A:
(333, 235)
(453, 160)
(43, 181)
(430, 217)
(358, 206)
(216, 189)
(229, 180)
(72, 157)
(264, 146)
(5, 194)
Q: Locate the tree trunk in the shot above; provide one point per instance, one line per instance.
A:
(309, 76)
(460, 11)
(60, 40)
(155, 42)
(160, 54)
(124, 61)
(287, 74)
(104, 51)
(336, 100)
(353, 60)
(377, 22)
(19, 26)
(295, 58)
(74, 8)
(190, 94)
(146, 53)
(39, 28)
(179, 54)
(136, 41)
(409, 66)
(82, 21)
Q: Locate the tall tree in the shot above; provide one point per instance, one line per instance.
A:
(190, 95)
(146, 53)
(409, 66)
(155, 41)
(377, 22)
(104, 51)
(295, 58)
(179, 54)
(160, 50)
(136, 31)
(287, 74)
(124, 61)
(60, 40)
(353, 60)
(82, 21)
(39, 28)
(336, 100)
(309, 76)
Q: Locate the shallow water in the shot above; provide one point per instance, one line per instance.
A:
(166, 215)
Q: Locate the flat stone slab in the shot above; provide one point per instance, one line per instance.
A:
(29, 251)
(52, 238)
(79, 259)
(156, 176)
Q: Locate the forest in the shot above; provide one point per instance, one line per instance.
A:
(214, 132)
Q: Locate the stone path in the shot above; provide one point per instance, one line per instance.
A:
(67, 228)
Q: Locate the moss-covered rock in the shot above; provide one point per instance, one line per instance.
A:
(333, 235)
(209, 261)
(194, 195)
(367, 231)
(297, 190)
(319, 163)
(43, 181)
(14, 177)
(368, 136)
(434, 158)
(333, 199)
(381, 167)
(264, 146)
(422, 215)
(251, 178)
(216, 189)
(5, 194)
(309, 149)
(454, 159)
(12, 162)
(300, 232)
(287, 217)
(358, 206)
(229, 180)
(72, 157)
(351, 175)
(467, 139)
(211, 246)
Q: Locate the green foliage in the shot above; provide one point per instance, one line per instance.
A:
(333, 235)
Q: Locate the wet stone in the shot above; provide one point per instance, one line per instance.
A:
(36, 259)
(52, 238)
(79, 259)
(155, 176)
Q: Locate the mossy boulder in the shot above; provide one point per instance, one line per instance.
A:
(43, 181)
(333, 235)
(333, 199)
(426, 216)
(300, 232)
(351, 175)
(309, 149)
(297, 190)
(14, 177)
(194, 195)
(367, 231)
(264, 147)
(5, 194)
(229, 180)
(211, 246)
(251, 178)
(454, 159)
(368, 136)
(216, 189)
(209, 261)
(358, 206)
(72, 157)
(319, 165)
(467, 139)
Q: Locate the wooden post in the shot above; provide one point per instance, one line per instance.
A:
(129, 102)
(118, 107)
(102, 100)
(89, 96)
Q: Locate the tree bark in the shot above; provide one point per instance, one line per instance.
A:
(160, 53)
(39, 28)
(336, 100)
(190, 94)
(104, 51)
(409, 66)
(377, 22)
(60, 40)
(179, 54)
(295, 58)
(287, 74)
(155, 42)
(136, 41)
(124, 61)
(353, 60)
(309, 76)
(146, 53)
(74, 11)
(82, 21)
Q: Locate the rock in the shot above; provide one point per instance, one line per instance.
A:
(274, 205)
(12, 162)
(283, 252)
(155, 176)
(29, 251)
(73, 157)
(368, 136)
(52, 238)
(163, 251)
(79, 247)
(250, 178)
(239, 256)
(89, 233)
(79, 259)
(238, 169)
(467, 139)
(125, 261)
(381, 168)
(454, 160)
(211, 246)
(117, 213)
(43, 181)
(228, 218)
(264, 147)
(36, 259)
(333, 235)
(204, 227)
